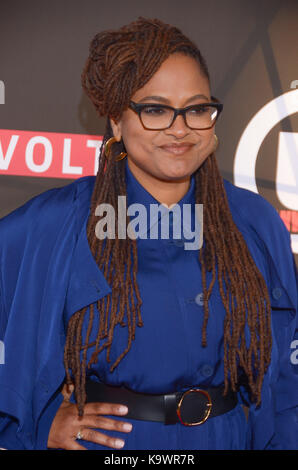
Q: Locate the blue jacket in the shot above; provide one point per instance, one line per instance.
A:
(47, 268)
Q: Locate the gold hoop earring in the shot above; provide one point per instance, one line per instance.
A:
(108, 145)
(216, 142)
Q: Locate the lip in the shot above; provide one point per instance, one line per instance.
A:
(177, 149)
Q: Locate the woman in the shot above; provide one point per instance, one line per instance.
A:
(142, 322)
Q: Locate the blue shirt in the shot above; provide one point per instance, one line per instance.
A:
(54, 275)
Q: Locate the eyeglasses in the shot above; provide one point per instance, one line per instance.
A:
(159, 117)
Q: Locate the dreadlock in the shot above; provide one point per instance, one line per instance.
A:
(119, 63)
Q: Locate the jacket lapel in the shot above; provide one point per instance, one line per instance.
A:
(87, 283)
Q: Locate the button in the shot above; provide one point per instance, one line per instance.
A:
(199, 300)
(276, 293)
(207, 370)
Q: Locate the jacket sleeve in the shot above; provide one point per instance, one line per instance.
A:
(25, 254)
(8, 424)
(45, 421)
(9, 427)
(273, 424)
(280, 406)
(286, 388)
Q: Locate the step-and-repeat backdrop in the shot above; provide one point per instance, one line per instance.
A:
(50, 134)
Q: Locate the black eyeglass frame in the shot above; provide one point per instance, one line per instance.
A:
(138, 108)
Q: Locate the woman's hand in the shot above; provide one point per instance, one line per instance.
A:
(67, 424)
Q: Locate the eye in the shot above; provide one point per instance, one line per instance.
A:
(154, 110)
(198, 109)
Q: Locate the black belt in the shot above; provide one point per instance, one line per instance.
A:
(191, 407)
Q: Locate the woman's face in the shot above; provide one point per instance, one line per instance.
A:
(155, 154)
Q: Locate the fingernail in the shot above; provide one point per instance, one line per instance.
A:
(123, 409)
(127, 426)
(119, 443)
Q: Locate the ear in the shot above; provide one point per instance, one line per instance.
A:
(117, 129)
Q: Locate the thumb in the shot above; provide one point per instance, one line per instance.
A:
(67, 391)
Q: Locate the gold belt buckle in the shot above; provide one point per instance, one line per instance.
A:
(208, 406)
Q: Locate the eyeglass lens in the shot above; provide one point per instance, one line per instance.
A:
(198, 117)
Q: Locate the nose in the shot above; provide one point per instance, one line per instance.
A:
(178, 128)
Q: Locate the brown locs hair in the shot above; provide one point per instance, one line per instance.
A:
(119, 63)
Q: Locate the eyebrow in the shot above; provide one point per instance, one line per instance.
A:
(166, 101)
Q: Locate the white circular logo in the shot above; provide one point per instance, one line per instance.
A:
(287, 162)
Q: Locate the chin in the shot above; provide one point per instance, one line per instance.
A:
(181, 169)
(177, 174)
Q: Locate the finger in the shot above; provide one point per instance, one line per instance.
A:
(94, 421)
(74, 445)
(102, 408)
(100, 438)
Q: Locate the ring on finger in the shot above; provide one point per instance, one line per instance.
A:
(79, 434)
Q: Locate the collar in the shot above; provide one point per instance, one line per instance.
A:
(137, 194)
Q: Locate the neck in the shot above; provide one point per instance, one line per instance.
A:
(165, 192)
